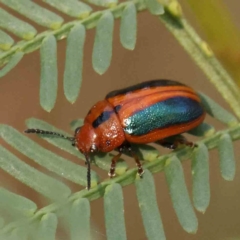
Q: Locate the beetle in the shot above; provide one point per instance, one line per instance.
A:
(152, 111)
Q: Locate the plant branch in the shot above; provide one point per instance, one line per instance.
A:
(62, 32)
(201, 54)
(128, 177)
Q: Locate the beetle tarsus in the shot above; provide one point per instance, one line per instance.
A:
(141, 174)
(111, 172)
(140, 170)
(138, 164)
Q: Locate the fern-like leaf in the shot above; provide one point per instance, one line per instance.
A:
(20, 218)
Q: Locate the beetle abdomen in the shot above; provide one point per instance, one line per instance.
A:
(156, 109)
(170, 112)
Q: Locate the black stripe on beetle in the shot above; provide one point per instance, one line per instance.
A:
(117, 108)
(104, 116)
(140, 86)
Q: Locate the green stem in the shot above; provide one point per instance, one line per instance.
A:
(203, 56)
(212, 60)
(128, 177)
(62, 32)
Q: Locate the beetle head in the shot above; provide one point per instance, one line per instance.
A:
(86, 139)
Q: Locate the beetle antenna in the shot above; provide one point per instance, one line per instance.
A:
(39, 131)
(88, 172)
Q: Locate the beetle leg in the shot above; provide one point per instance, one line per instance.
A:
(127, 147)
(111, 172)
(187, 143)
(182, 140)
(174, 142)
(138, 163)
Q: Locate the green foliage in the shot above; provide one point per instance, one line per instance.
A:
(128, 28)
(217, 111)
(179, 194)
(75, 30)
(16, 26)
(102, 50)
(74, 62)
(49, 73)
(47, 227)
(226, 155)
(42, 183)
(146, 195)
(21, 219)
(200, 173)
(79, 219)
(75, 203)
(16, 58)
(114, 213)
(154, 7)
(45, 158)
(5, 40)
(34, 12)
(71, 7)
(20, 206)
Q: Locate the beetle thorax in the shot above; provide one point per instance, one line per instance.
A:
(101, 131)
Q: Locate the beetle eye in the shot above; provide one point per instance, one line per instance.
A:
(93, 148)
(77, 130)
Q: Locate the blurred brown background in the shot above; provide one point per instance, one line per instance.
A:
(157, 55)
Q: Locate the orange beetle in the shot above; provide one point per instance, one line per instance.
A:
(144, 113)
